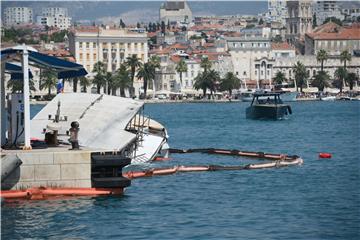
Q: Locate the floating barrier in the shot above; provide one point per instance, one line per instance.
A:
(325, 155)
(203, 168)
(259, 155)
(44, 193)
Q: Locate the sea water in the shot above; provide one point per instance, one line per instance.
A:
(318, 200)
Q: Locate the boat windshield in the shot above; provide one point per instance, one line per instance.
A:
(267, 99)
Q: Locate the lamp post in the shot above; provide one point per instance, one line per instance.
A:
(25, 66)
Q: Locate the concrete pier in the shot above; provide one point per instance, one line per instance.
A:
(51, 167)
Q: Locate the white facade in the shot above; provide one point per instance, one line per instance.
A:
(175, 12)
(17, 15)
(54, 17)
(277, 11)
(110, 46)
(326, 9)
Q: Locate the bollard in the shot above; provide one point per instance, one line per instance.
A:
(74, 130)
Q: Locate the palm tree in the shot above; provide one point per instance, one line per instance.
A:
(345, 56)
(108, 83)
(155, 62)
(75, 81)
(212, 80)
(84, 83)
(17, 85)
(300, 75)
(279, 78)
(133, 63)
(205, 64)
(200, 83)
(147, 73)
(122, 79)
(322, 56)
(229, 82)
(180, 68)
(48, 79)
(351, 79)
(99, 79)
(321, 80)
(340, 75)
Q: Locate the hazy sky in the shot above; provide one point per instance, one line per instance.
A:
(140, 10)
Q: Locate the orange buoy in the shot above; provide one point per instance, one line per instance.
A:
(324, 155)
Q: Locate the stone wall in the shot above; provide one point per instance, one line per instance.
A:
(51, 169)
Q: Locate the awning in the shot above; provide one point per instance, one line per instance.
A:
(15, 71)
(64, 69)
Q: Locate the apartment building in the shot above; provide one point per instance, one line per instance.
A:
(17, 15)
(54, 17)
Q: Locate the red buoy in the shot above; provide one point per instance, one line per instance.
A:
(324, 155)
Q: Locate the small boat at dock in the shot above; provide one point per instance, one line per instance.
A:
(267, 106)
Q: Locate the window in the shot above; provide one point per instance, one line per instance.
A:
(80, 44)
(237, 73)
(88, 56)
(80, 56)
(94, 55)
(165, 86)
(268, 72)
(262, 72)
(244, 73)
(87, 45)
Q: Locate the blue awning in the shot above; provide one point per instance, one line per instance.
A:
(64, 69)
(15, 71)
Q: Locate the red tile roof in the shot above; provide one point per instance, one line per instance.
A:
(332, 31)
(281, 46)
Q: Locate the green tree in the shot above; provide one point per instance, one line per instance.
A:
(180, 68)
(301, 75)
(229, 82)
(200, 83)
(351, 79)
(122, 80)
(17, 85)
(340, 75)
(314, 23)
(147, 73)
(99, 79)
(321, 57)
(48, 80)
(133, 63)
(345, 57)
(279, 78)
(108, 83)
(205, 64)
(321, 80)
(261, 21)
(84, 83)
(334, 20)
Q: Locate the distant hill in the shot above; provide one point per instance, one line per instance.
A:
(135, 10)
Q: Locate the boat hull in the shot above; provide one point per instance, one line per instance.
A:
(267, 111)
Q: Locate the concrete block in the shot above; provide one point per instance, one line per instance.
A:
(72, 157)
(47, 172)
(33, 158)
(75, 171)
(83, 183)
(27, 173)
(61, 184)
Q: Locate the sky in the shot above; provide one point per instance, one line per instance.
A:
(140, 11)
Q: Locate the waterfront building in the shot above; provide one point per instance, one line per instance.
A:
(175, 12)
(17, 16)
(333, 38)
(326, 9)
(54, 17)
(277, 11)
(108, 45)
(246, 53)
(299, 20)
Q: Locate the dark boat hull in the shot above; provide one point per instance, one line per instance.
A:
(267, 111)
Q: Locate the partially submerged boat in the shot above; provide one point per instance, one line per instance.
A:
(267, 106)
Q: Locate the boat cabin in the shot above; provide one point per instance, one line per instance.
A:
(266, 98)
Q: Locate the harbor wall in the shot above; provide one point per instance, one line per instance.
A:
(51, 169)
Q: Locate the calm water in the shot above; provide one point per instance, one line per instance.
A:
(319, 200)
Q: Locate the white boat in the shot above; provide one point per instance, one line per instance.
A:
(107, 123)
(328, 98)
